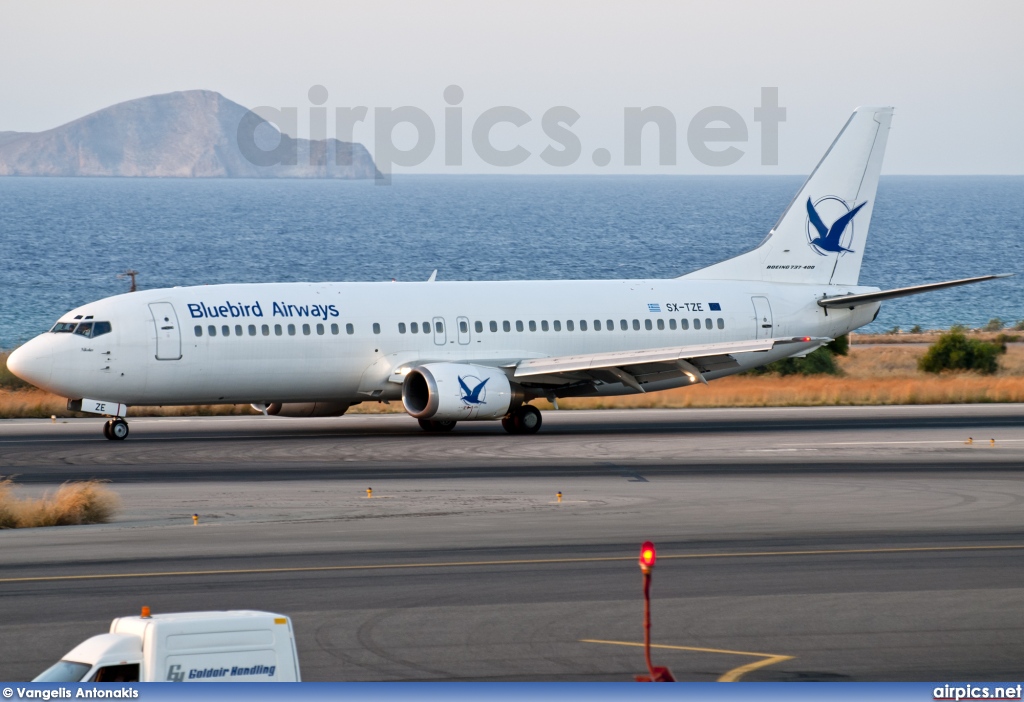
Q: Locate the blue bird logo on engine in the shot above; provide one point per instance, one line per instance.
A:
(477, 394)
(837, 238)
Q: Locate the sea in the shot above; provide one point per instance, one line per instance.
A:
(64, 241)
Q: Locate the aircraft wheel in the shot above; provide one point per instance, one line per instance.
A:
(440, 425)
(509, 424)
(106, 429)
(527, 420)
(118, 429)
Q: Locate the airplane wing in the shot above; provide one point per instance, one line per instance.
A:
(633, 368)
(852, 301)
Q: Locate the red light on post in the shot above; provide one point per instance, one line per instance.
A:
(648, 555)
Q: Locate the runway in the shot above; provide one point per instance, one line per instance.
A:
(794, 544)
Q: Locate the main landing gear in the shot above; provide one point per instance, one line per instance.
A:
(525, 420)
(437, 425)
(116, 429)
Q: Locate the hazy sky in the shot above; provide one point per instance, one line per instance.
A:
(954, 71)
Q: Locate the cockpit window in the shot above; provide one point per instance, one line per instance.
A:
(64, 327)
(91, 330)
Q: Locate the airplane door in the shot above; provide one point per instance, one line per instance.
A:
(763, 317)
(439, 337)
(463, 323)
(168, 336)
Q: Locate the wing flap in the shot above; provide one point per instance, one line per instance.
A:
(708, 356)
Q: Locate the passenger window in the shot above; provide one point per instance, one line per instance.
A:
(597, 325)
(401, 327)
(277, 329)
(376, 328)
(291, 330)
(335, 329)
(672, 324)
(494, 326)
(479, 327)
(533, 325)
(266, 330)
(624, 324)
(199, 330)
(225, 330)
(610, 325)
(684, 324)
(558, 325)
(647, 325)
(506, 326)
(721, 323)
(661, 324)
(211, 330)
(414, 328)
(305, 330)
(320, 329)
(519, 325)
(707, 323)
(636, 325)
(583, 325)
(438, 327)
(238, 330)
(252, 330)
(543, 325)
(463, 327)
(696, 324)
(84, 329)
(349, 329)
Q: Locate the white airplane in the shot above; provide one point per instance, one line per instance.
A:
(470, 351)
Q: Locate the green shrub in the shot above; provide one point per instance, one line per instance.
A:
(916, 329)
(819, 362)
(954, 351)
(995, 324)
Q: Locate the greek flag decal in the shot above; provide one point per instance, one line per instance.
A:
(653, 307)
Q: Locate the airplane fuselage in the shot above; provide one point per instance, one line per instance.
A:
(346, 342)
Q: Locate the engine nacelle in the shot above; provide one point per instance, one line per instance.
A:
(459, 392)
(304, 409)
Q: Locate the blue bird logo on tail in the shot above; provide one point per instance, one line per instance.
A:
(830, 239)
(474, 396)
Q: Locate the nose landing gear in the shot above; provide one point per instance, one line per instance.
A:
(115, 429)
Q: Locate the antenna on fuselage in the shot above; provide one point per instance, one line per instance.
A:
(433, 276)
(130, 273)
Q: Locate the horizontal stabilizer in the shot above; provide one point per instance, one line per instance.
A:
(852, 301)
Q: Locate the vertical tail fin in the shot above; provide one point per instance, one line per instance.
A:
(821, 235)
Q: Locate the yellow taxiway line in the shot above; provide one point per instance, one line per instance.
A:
(732, 675)
(512, 562)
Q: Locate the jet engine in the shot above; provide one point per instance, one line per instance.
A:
(304, 409)
(459, 391)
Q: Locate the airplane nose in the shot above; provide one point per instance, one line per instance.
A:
(32, 363)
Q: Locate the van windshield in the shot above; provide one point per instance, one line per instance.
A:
(63, 671)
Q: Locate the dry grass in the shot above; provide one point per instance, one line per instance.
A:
(87, 502)
(872, 375)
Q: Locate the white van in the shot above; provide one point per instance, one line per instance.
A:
(233, 646)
